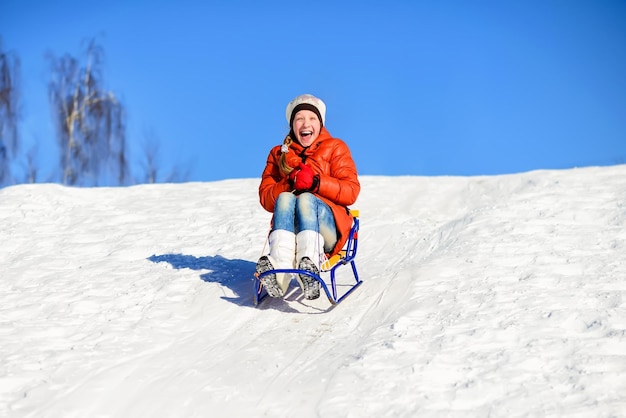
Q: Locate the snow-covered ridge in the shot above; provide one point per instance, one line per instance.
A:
(483, 296)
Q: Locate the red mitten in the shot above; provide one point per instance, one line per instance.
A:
(293, 174)
(303, 179)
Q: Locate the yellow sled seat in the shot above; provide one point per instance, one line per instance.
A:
(341, 255)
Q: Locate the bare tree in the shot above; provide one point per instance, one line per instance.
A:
(90, 122)
(30, 167)
(9, 139)
(178, 174)
(150, 163)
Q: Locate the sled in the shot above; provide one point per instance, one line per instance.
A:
(328, 269)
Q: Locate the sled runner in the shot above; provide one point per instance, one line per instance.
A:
(328, 269)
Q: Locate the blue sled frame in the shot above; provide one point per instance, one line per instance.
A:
(346, 256)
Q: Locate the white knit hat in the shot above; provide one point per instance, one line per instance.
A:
(306, 102)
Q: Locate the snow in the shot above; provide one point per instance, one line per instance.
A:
(499, 296)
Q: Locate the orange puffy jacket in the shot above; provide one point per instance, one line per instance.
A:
(339, 185)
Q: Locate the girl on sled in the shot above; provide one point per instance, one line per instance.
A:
(308, 183)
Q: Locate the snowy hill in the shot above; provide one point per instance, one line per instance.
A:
(499, 296)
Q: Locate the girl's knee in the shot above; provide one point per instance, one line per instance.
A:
(285, 201)
(306, 205)
(306, 200)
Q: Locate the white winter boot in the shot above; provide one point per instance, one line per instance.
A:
(309, 252)
(282, 254)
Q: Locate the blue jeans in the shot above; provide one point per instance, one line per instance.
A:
(305, 212)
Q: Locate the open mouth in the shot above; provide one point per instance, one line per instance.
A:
(304, 134)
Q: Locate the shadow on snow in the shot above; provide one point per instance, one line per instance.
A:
(237, 275)
(234, 274)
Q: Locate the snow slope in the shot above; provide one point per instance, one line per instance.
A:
(500, 296)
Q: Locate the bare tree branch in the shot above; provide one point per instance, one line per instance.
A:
(9, 113)
(90, 122)
(150, 164)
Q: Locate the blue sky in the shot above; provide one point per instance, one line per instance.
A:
(414, 87)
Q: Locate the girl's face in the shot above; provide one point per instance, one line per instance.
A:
(306, 126)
